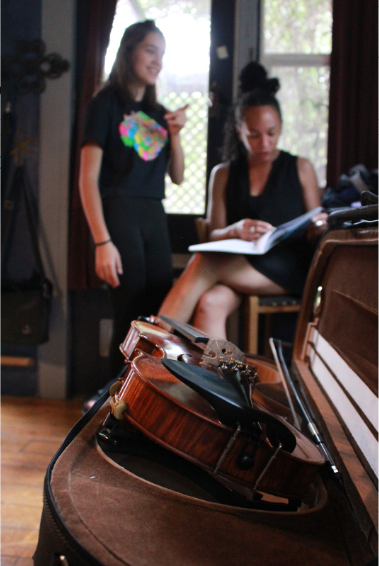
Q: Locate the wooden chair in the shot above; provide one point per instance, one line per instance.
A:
(255, 305)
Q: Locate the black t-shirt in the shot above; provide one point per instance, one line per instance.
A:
(134, 142)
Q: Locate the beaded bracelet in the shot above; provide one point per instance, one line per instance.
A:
(102, 243)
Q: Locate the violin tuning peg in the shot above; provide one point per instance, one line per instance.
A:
(222, 364)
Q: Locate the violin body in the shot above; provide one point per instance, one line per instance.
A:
(169, 412)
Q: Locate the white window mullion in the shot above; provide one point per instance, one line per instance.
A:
(295, 60)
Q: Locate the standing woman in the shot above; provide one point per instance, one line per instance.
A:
(257, 187)
(129, 143)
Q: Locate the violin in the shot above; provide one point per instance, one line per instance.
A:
(189, 344)
(172, 392)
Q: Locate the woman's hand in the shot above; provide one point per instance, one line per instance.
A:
(176, 120)
(250, 230)
(108, 265)
(317, 227)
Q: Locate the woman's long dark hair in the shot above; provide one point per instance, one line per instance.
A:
(255, 89)
(122, 75)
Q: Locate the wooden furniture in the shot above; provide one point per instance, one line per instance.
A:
(19, 361)
(255, 305)
(31, 432)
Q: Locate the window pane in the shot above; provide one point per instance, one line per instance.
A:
(125, 16)
(304, 101)
(189, 197)
(184, 80)
(297, 26)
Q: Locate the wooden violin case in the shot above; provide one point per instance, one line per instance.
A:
(150, 504)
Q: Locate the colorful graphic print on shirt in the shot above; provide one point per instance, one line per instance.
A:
(144, 134)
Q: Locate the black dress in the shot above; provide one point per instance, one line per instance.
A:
(286, 264)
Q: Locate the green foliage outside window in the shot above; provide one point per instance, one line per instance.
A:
(297, 26)
(296, 33)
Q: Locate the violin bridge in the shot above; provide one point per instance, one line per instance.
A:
(264, 471)
(227, 449)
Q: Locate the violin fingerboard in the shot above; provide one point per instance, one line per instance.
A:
(186, 330)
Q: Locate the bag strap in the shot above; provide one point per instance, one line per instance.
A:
(32, 223)
(19, 179)
(7, 213)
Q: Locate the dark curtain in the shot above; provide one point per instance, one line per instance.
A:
(94, 23)
(353, 104)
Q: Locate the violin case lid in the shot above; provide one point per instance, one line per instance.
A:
(97, 513)
(335, 354)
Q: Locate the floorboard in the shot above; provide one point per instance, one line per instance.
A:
(31, 432)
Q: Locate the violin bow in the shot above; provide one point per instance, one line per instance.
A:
(313, 430)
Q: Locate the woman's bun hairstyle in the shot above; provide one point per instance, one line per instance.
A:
(255, 89)
(254, 77)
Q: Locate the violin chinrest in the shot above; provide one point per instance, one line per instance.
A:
(228, 404)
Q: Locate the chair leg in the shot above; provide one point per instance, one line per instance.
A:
(232, 327)
(251, 324)
(269, 323)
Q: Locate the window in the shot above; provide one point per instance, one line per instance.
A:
(183, 80)
(296, 38)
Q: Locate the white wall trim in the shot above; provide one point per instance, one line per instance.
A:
(246, 34)
(58, 24)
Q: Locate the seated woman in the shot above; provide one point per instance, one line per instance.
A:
(257, 187)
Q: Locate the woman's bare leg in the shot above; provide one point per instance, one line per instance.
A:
(206, 270)
(196, 279)
(213, 309)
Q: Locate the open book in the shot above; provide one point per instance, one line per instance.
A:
(264, 243)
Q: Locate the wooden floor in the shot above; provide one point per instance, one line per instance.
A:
(31, 432)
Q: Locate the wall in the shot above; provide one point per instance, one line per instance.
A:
(21, 20)
(46, 119)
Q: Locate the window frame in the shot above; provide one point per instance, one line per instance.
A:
(290, 59)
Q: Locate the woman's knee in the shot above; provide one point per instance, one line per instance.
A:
(216, 300)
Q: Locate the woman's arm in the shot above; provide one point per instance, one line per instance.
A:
(107, 258)
(245, 229)
(311, 197)
(217, 203)
(176, 165)
(176, 120)
(308, 181)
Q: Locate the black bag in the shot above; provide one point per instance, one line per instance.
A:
(25, 305)
(25, 311)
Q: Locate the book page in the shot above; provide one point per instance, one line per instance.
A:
(235, 246)
(263, 244)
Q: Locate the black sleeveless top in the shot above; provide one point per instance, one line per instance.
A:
(287, 263)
